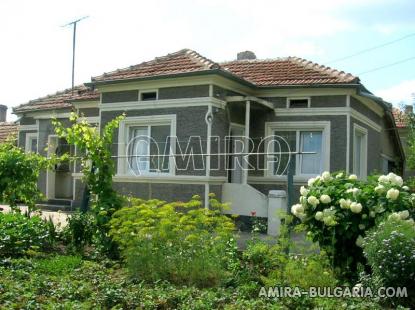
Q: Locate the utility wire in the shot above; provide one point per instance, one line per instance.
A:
(387, 66)
(371, 49)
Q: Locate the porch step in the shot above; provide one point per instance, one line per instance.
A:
(56, 205)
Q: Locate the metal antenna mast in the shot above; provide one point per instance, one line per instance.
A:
(73, 46)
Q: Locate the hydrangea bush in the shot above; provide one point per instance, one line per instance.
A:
(337, 209)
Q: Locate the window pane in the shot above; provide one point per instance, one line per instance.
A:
(159, 145)
(137, 148)
(311, 141)
(285, 141)
(298, 103)
(33, 145)
(358, 154)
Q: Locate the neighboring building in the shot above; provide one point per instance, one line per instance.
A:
(183, 94)
(401, 120)
(7, 130)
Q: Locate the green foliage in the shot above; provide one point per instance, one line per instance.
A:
(20, 235)
(80, 230)
(57, 265)
(88, 285)
(179, 242)
(337, 209)
(390, 252)
(98, 168)
(19, 173)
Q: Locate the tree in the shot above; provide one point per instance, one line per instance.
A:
(97, 168)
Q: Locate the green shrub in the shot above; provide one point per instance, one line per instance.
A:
(80, 230)
(179, 242)
(337, 209)
(20, 234)
(390, 252)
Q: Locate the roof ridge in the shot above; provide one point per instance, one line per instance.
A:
(321, 68)
(253, 60)
(206, 62)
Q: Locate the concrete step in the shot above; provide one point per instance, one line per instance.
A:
(54, 207)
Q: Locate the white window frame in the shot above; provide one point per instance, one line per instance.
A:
(363, 155)
(153, 120)
(288, 103)
(145, 91)
(30, 136)
(323, 126)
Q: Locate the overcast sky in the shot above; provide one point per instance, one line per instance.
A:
(35, 53)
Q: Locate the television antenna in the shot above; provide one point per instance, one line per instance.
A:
(74, 23)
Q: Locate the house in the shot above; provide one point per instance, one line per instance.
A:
(8, 130)
(191, 124)
(402, 126)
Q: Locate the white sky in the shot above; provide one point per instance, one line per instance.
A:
(35, 53)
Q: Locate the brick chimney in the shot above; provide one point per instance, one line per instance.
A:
(409, 108)
(245, 55)
(3, 113)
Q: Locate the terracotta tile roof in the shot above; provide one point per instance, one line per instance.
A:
(7, 130)
(183, 61)
(59, 100)
(287, 71)
(400, 118)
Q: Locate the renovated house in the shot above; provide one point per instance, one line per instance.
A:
(195, 126)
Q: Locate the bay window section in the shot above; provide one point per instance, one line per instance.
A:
(303, 139)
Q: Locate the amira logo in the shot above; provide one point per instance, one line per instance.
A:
(149, 154)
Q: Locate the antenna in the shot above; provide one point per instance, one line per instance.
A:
(73, 47)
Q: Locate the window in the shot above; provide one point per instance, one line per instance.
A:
(148, 95)
(360, 151)
(299, 141)
(311, 139)
(146, 143)
(296, 103)
(31, 143)
(388, 164)
(148, 149)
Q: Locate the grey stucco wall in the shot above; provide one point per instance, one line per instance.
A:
(119, 96)
(338, 145)
(194, 91)
(189, 122)
(332, 101)
(88, 112)
(362, 108)
(27, 121)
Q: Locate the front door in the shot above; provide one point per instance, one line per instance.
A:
(237, 147)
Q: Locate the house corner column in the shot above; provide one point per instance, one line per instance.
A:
(246, 143)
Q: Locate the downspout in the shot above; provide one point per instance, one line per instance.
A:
(246, 144)
(208, 120)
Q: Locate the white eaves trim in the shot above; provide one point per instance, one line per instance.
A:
(329, 111)
(28, 127)
(160, 104)
(85, 104)
(177, 179)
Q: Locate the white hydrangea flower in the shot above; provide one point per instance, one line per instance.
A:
(356, 207)
(303, 200)
(362, 226)
(325, 199)
(364, 216)
(312, 200)
(392, 194)
(372, 214)
(297, 210)
(339, 175)
(359, 243)
(304, 191)
(311, 181)
(383, 179)
(404, 214)
(394, 216)
(329, 221)
(405, 188)
(411, 221)
(326, 176)
(318, 216)
(345, 204)
(355, 191)
(379, 189)
(352, 177)
(395, 179)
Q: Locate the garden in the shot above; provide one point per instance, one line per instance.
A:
(128, 253)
